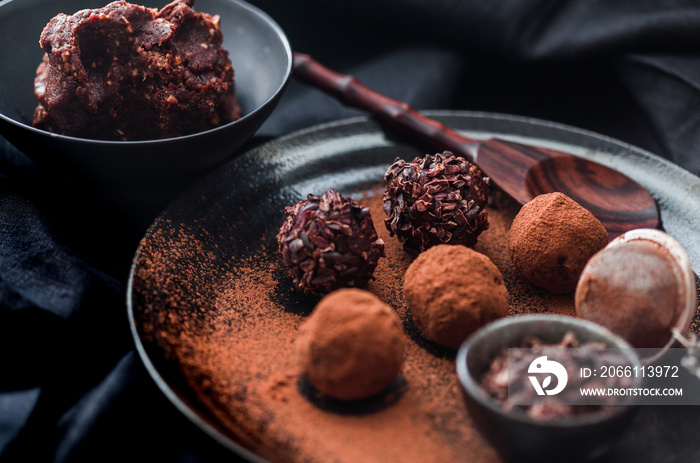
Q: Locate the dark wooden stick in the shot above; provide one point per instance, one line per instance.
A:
(399, 115)
(521, 171)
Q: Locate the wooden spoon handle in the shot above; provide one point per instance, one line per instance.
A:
(399, 115)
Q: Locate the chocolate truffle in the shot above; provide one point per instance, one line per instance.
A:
(352, 345)
(452, 291)
(329, 242)
(551, 239)
(127, 72)
(437, 199)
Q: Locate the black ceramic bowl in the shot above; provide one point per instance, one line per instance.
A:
(262, 60)
(519, 438)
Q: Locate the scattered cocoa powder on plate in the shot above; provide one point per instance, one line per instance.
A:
(222, 330)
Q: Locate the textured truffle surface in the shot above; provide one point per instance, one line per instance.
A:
(452, 291)
(127, 72)
(352, 345)
(437, 199)
(551, 239)
(329, 242)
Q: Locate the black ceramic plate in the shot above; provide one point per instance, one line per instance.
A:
(239, 208)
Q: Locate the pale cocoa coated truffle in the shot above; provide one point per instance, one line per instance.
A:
(551, 239)
(452, 291)
(352, 346)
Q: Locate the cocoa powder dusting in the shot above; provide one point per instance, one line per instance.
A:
(632, 290)
(230, 324)
(552, 238)
(452, 291)
(352, 345)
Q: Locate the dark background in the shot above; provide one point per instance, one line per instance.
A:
(72, 387)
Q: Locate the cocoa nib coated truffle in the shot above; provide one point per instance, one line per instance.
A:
(127, 72)
(551, 239)
(437, 199)
(352, 346)
(452, 291)
(329, 242)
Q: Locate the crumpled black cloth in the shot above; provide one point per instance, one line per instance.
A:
(71, 386)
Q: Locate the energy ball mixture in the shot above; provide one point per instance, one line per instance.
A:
(452, 291)
(352, 346)
(329, 242)
(127, 72)
(551, 239)
(437, 199)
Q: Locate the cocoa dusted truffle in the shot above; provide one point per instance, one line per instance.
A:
(452, 291)
(127, 72)
(329, 242)
(437, 199)
(352, 346)
(551, 239)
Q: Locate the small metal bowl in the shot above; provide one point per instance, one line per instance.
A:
(515, 435)
(136, 170)
(607, 263)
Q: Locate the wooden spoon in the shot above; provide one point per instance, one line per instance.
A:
(521, 171)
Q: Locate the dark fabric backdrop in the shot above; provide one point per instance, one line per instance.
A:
(72, 387)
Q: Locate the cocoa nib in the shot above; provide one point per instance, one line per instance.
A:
(329, 242)
(437, 199)
(508, 378)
